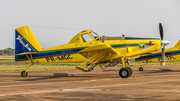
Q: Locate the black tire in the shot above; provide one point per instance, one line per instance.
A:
(140, 69)
(124, 73)
(131, 71)
(24, 75)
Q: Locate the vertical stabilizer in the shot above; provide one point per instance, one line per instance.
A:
(25, 41)
(177, 44)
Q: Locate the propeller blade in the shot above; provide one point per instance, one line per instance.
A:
(163, 55)
(163, 43)
(161, 31)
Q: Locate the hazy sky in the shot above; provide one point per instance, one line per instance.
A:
(55, 22)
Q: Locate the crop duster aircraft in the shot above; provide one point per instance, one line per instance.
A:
(87, 47)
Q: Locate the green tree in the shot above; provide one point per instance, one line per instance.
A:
(2, 52)
(8, 51)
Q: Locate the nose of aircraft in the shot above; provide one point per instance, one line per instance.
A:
(165, 42)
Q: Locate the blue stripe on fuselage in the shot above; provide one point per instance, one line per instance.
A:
(60, 52)
(157, 55)
(46, 54)
(126, 45)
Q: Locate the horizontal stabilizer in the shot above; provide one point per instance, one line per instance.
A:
(26, 53)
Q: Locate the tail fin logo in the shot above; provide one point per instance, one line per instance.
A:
(21, 41)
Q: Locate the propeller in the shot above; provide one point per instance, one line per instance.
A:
(161, 31)
(163, 44)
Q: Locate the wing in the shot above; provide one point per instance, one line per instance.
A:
(99, 52)
(104, 52)
(96, 54)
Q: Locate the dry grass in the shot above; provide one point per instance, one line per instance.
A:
(7, 57)
(33, 67)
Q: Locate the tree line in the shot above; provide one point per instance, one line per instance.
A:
(7, 51)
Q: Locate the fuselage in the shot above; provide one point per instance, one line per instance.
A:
(68, 53)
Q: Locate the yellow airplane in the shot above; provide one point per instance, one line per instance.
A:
(87, 47)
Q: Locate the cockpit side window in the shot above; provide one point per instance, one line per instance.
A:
(86, 37)
(94, 35)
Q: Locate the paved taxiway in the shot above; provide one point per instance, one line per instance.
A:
(154, 83)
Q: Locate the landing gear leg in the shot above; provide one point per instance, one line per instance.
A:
(25, 73)
(125, 72)
(141, 68)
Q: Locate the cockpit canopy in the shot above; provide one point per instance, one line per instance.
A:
(85, 36)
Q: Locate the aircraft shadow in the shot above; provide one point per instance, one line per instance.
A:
(62, 75)
(109, 70)
(164, 70)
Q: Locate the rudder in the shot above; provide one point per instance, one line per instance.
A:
(25, 41)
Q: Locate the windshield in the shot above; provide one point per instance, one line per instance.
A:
(86, 37)
(94, 35)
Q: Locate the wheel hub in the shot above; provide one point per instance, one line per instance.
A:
(124, 73)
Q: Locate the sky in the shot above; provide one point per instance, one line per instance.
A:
(55, 22)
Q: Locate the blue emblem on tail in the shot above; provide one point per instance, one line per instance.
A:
(21, 45)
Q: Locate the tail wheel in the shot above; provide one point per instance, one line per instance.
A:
(124, 73)
(140, 69)
(23, 74)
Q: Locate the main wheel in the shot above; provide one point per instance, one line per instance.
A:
(130, 71)
(140, 69)
(23, 74)
(124, 73)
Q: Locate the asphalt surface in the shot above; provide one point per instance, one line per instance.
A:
(154, 83)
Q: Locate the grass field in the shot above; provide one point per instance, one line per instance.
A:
(7, 60)
(55, 66)
(6, 56)
(33, 67)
